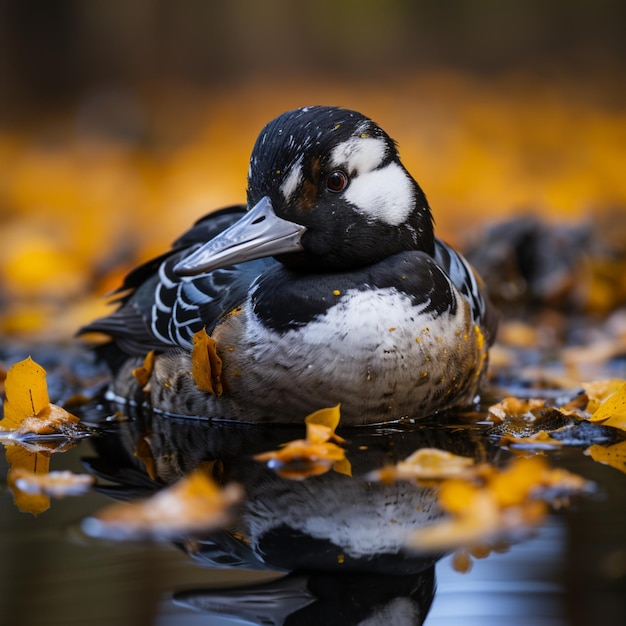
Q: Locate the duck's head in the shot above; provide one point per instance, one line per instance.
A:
(326, 191)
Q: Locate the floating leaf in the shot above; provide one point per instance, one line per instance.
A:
(600, 390)
(512, 407)
(539, 440)
(54, 484)
(143, 372)
(27, 408)
(425, 464)
(314, 455)
(612, 409)
(193, 504)
(206, 365)
(493, 505)
(614, 455)
(26, 393)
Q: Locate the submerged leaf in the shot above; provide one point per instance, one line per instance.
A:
(206, 365)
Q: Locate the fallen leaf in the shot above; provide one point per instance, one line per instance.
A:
(512, 407)
(54, 484)
(612, 409)
(426, 464)
(27, 407)
(143, 372)
(26, 393)
(494, 506)
(598, 391)
(614, 455)
(539, 440)
(206, 365)
(193, 504)
(315, 455)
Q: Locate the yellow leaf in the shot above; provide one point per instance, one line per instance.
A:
(614, 455)
(20, 459)
(457, 496)
(612, 410)
(599, 390)
(56, 484)
(314, 455)
(327, 417)
(26, 393)
(512, 485)
(194, 504)
(206, 365)
(143, 372)
(343, 466)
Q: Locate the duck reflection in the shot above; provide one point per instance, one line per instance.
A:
(339, 538)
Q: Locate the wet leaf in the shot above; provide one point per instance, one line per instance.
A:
(53, 484)
(614, 455)
(599, 391)
(426, 463)
(206, 365)
(315, 455)
(193, 504)
(27, 408)
(539, 440)
(26, 393)
(495, 505)
(143, 372)
(612, 408)
(515, 408)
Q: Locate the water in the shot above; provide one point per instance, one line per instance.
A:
(342, 536)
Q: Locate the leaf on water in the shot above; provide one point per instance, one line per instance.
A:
(206, 365)
(193, 504)
(53, 484)
(612, 408)
(614, 455)
(315, 455)
(20, 459)
(511, 408)
(426, 464)
(539, 440)
(599, 391)
(143, 372)
(494, 505)
(27, 407)
(26, 393)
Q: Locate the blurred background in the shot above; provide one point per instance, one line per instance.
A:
(123, 122)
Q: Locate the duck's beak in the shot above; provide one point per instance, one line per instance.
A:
(259, 233)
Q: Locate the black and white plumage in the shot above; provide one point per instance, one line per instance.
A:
(342, 292)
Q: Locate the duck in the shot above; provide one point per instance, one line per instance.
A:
(327, 287)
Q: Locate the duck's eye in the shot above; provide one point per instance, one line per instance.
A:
(337, 181)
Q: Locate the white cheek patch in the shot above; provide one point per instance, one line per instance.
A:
(293, 179)
(385, 194)
(359, 154)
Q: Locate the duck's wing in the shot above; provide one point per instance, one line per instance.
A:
(471, 287)
(159, 309)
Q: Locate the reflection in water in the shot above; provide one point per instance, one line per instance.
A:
(339, 539)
